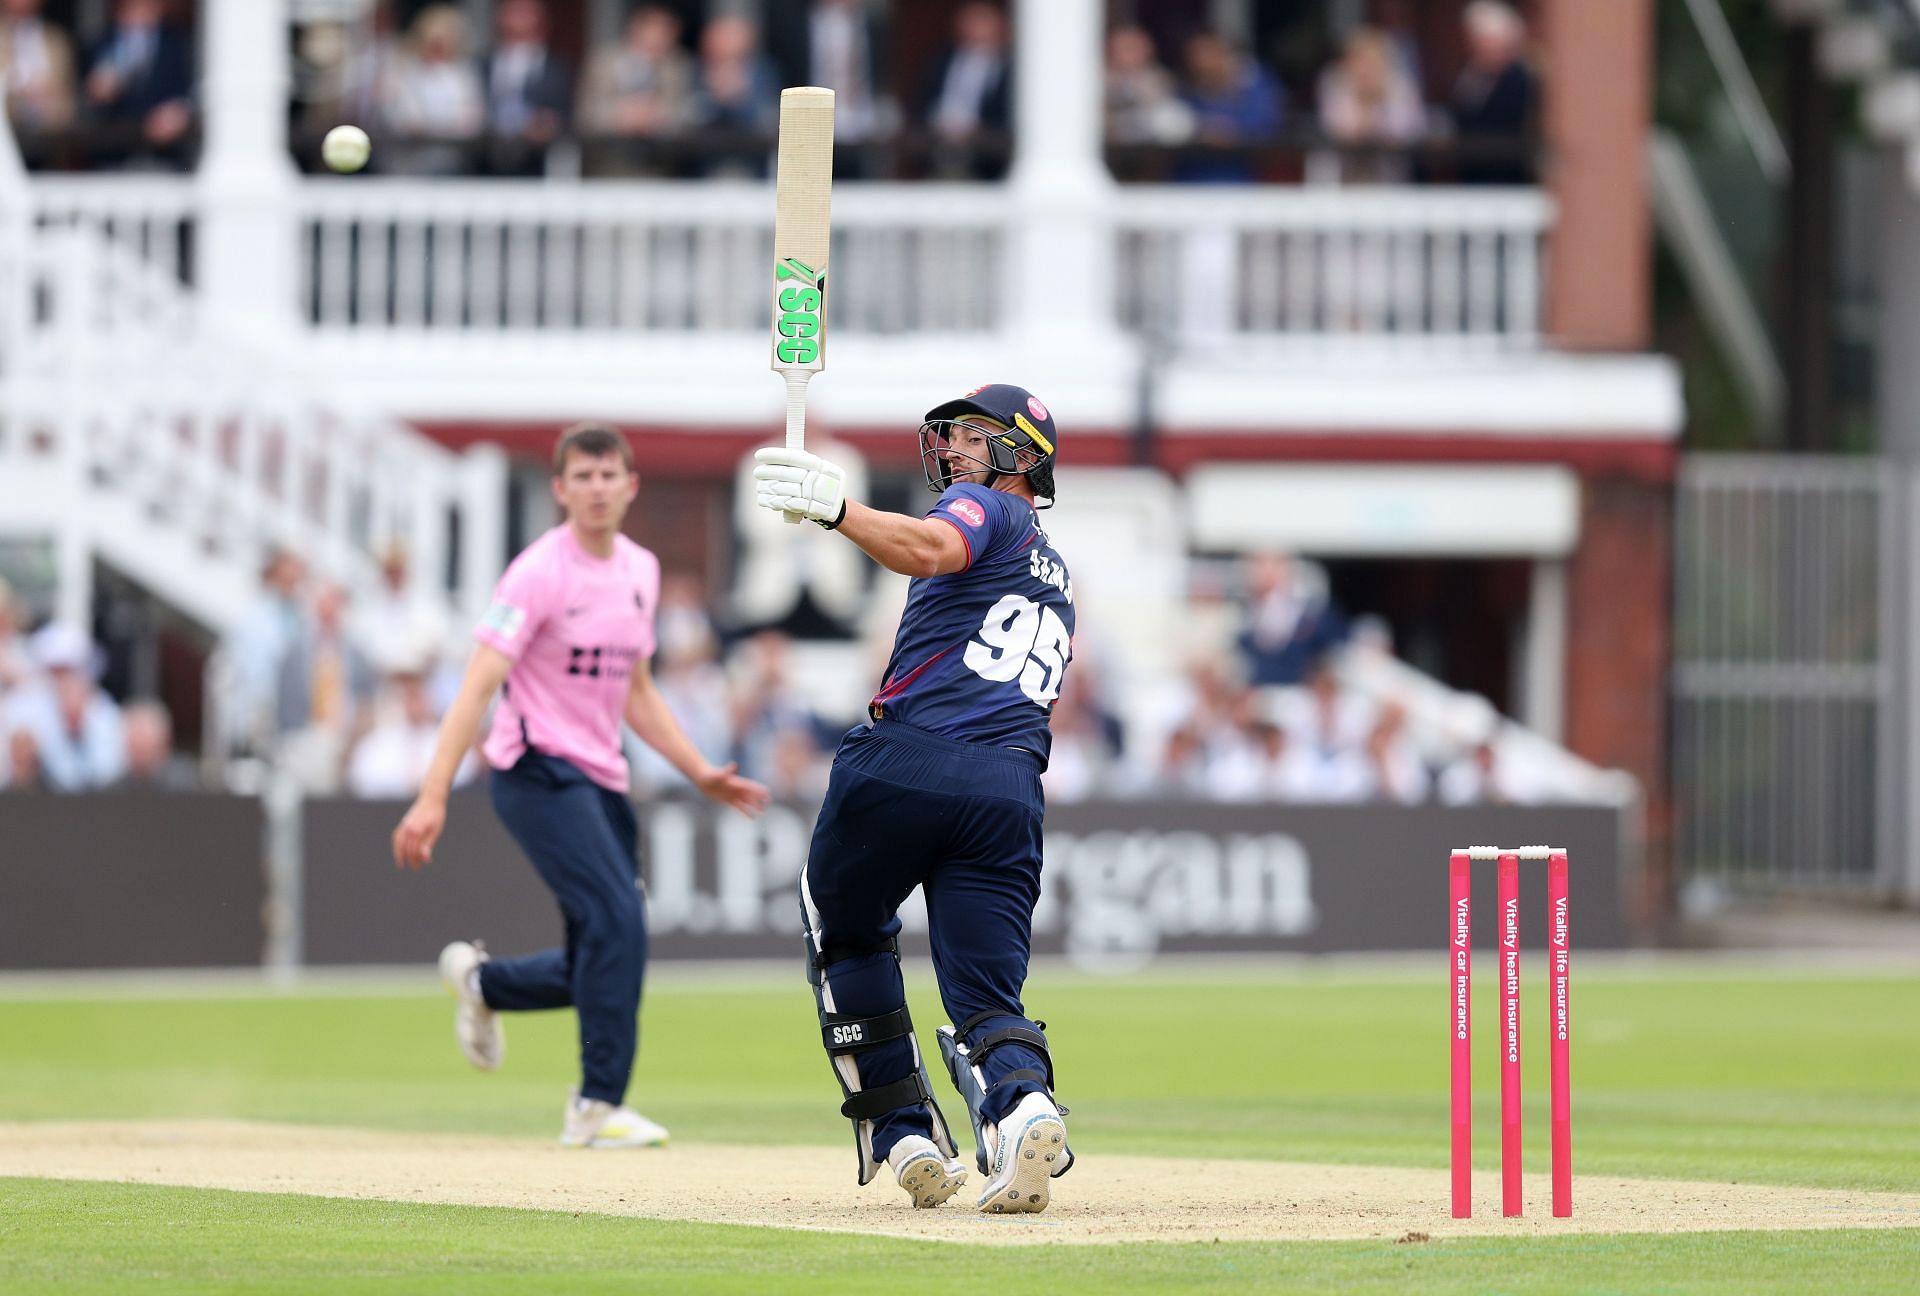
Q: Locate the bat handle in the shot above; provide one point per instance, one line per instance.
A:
(796, 415)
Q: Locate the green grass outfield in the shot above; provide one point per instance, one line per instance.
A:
(1691, 1070)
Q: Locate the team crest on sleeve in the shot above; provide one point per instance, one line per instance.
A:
(967, 511)
(504, 619)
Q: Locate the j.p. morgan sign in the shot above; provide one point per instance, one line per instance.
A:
(1122, 881)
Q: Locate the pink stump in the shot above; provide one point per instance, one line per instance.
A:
(1509, 1034)
(1460, 1025)
(1560, 951)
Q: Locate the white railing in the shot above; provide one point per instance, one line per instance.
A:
(152, 216)
(1426, 268)
(488, 257)
(1410, 269)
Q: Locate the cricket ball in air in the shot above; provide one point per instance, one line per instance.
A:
(346, 148)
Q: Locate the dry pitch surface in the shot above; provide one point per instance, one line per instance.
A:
(1105, 1198)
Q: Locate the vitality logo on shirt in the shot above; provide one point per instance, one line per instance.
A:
(967, 511)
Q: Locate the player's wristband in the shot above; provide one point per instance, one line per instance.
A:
(834, 525)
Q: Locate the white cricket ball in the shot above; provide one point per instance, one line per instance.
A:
(346, 148)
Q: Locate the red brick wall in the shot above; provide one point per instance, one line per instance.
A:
(1619, 625)
(1597, 60)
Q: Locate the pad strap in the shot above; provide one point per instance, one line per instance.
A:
(825, 956)
(1033, 1039)
(871, 1104)
(846, 1033)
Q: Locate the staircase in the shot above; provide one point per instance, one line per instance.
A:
(140, 432)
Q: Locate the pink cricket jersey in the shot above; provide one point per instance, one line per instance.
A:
(575, 625)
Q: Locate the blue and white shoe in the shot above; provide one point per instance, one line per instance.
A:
(928, 1176)
(1029, 1148)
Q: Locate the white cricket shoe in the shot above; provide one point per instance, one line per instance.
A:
(592, 1123)
(1028, 1146)
(474, 1024)
(924, 1171)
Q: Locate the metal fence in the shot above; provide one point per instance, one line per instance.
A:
(1787, 679)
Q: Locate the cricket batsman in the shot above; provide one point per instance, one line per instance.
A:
(941, 790)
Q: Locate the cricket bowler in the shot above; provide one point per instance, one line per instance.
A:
(567, 644)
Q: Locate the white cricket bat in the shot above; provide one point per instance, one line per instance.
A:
(803, 202)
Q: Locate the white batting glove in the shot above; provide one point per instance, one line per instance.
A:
(801, 484)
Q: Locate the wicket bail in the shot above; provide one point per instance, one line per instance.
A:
(1460, 1022)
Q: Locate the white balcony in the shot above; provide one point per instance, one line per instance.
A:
(530, 300)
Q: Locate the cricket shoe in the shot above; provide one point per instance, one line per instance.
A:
(592, 1123)
(1029, 1145)
(474, 1024)
(928, 1176)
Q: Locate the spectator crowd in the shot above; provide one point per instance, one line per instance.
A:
(1275, 716)
(346, 698)
(125, 100)
(60, 731)
(692, 89)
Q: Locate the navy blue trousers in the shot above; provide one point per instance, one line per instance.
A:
(584, 840)
(907, 808)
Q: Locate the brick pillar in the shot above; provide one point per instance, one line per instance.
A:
(1596, 62)
(1619, 628)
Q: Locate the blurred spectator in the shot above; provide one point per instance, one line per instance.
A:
(20, 770)
(687, 671)
(255, 649)
(529, 90)
(641, 88)
(326, 684)
(1331, 732)
(390, 760)
(796, 767)
(1083, 761)
(16, 664)
(1398, 772)
(1398, 24)
(1290, 621)
(971, 93)
(339, 65)
(1235, 104)
(1493, 101)
(1143, 106)
(1183, 770)
(372, 46)
(1486, 776)
(767, 709)
(152, 763)
(76, 730)
(37, 60)
(1367, 103)
(399, 628)
(432, 97)
(141, 75)
(1240, 754)
(843, 55)
(736, 92)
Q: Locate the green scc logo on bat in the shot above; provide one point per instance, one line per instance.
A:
(799, 292)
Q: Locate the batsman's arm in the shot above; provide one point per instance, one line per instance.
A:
(648, 715)
(800, 484)
(414, 839)
(909, 545)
